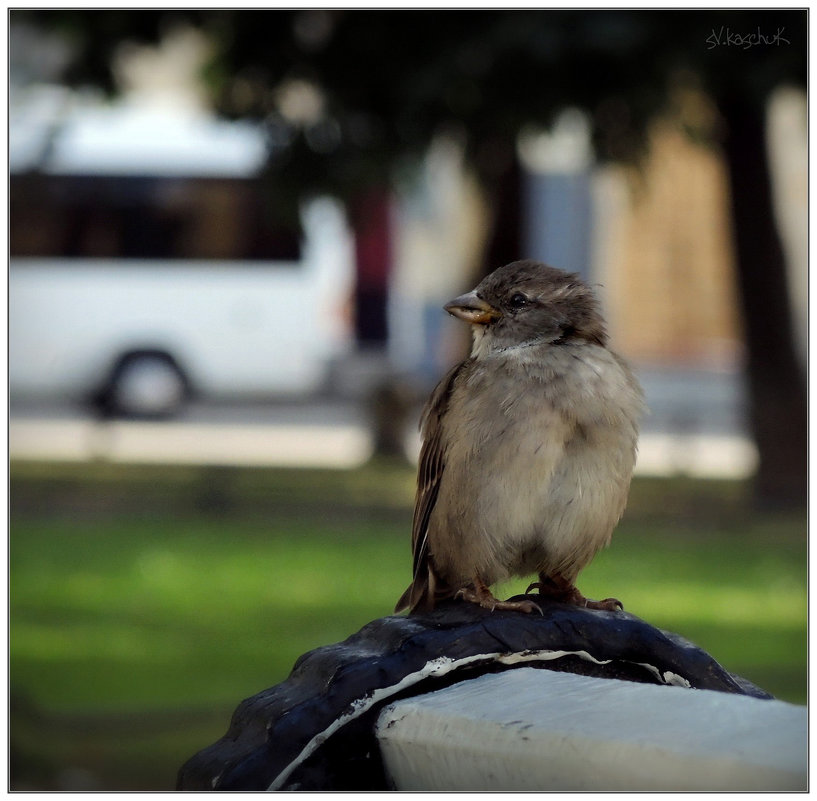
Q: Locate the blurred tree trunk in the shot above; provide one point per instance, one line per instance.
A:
(388, 402)
(504, 186)
(390, 405)
(373, 264)
(777, 388)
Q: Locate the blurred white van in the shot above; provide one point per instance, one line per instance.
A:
(150, 263)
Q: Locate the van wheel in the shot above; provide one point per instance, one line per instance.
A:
(146, 385)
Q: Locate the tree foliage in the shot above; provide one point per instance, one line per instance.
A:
(392, 80)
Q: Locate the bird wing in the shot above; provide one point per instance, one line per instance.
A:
(426, 583)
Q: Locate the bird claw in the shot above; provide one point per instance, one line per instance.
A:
(608, 604)
(487, 601)
(522, 606)
(569, 594)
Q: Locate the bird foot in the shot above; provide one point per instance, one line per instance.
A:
(482, 596)
(569, 594)
(608, 604)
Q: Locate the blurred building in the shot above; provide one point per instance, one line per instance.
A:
(667, 265)
(440, 231)
(656, 240)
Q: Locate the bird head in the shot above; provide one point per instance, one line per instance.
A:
(529, 303)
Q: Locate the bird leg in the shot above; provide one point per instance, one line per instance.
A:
(481, 594)
(560, 589)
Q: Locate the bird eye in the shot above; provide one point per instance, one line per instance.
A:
(518, 300)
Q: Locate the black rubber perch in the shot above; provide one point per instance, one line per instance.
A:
(314, 731)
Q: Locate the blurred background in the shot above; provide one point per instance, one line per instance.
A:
(231, 235)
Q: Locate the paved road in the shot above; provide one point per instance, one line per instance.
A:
(317, 434)
(695, 427)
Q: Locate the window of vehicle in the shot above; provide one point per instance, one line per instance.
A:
(148, 218)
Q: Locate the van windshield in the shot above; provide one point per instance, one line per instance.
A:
(127, 217)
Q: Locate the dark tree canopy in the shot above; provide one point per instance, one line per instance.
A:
(394, 79)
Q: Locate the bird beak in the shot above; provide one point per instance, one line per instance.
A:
(472, 309)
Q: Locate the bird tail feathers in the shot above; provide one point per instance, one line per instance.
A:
(423, 594)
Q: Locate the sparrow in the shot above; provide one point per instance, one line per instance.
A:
(528, 446)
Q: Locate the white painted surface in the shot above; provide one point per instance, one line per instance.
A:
(529, 729)
(441, 666)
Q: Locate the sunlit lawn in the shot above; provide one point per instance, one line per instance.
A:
(147, 602)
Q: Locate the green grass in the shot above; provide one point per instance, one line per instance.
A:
(147, 602)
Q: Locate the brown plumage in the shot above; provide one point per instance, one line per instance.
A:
(528, 445)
